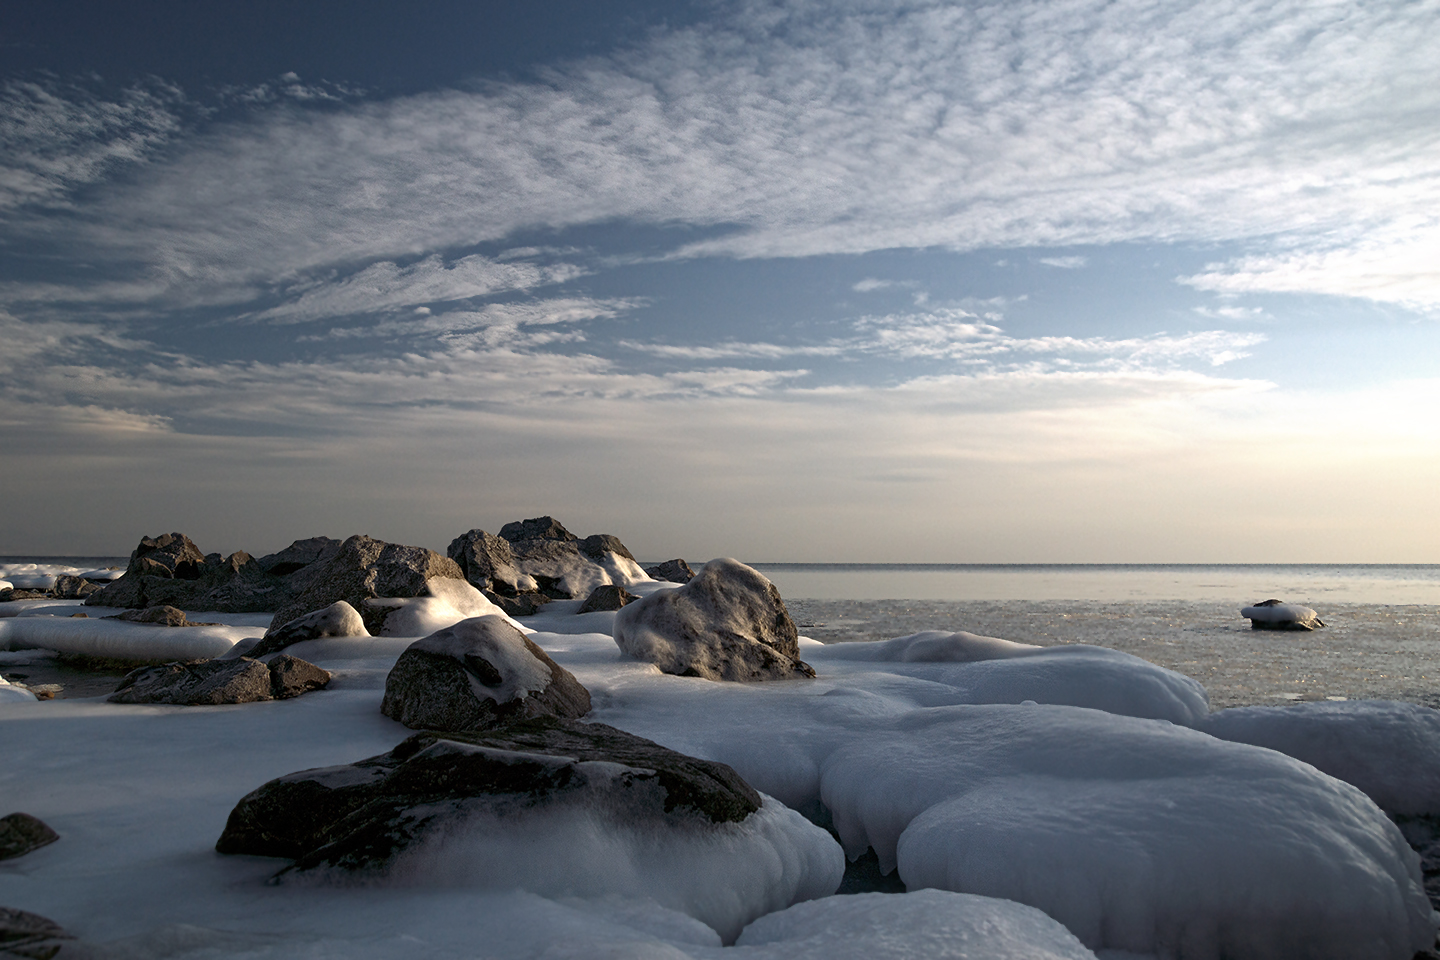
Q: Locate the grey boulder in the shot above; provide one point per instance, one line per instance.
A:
(479, 674)
(564, 566)
(337, 620)
(675, 571)
(728, 623)
(488, 563)
(21, 833)
(211, 682)
(357, 818)
(612, 596)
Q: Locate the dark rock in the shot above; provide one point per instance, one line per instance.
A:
(169, 556)
(520, 605)
(170, 570)
(73, 588)
(29, 935)
(291, 676)
(7, 595)
(357, 817)
(337, 620)
(597, 545)
(538, 528)
(488, 563)
(477, 675)
(363, 568)
(298, 555)
(728, 623)
(163, 615)
(675, 571)
(20, 833)
(609, 597)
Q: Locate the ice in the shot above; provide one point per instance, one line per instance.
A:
(1389, 750)
(925, 925)
(9, 693)
(936, 646)
(117, 639)
(449, 602)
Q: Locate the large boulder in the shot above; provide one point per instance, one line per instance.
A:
(211, 682)
(364, 568)
(488, 563)
(479, 674)
(337, 620)
(728, 623)
(1277, 615)
(564, 566)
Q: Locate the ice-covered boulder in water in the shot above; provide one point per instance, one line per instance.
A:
(363, 568)
(337, 620)
(729, 623)
(1137, 835)
(550, 806)
(1275, 615)
(477, 675)
(1389, 750)
(212, 682)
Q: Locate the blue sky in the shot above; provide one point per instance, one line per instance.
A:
(1075, 281)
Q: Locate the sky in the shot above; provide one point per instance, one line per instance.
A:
(1031, 281)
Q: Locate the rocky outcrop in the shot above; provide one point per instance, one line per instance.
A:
(21, 833)
(364, 568)
(609, 597)
(728, 623)
(488, 563)
(1275, 615)
(210, 682)
(357, 818)
(675, 571)
(478, 675)
(337, 620)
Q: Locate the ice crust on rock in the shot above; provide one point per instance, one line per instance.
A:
(1389, 750)
(728, 623)
(1274, 615)
(924, 925)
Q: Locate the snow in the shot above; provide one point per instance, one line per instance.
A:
(10, 693)
(1279, 613)
(94, 637)
(449, 602)
(1389, 750)
(1067, 780)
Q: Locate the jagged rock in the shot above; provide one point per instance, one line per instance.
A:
(358, 817)
(171, 570)
(29, 935)
(609, 597)
(520, 605)
(489, 563)
(337, 620)
(1275, 615)
(537, 528)
(298, 555)
(73, 588)
(675, 571)
(563, 565)
(169, 556)
(728, 623)
(209, 682)
(477, 675)
(20, 833)
(363, 568)
(162, 615)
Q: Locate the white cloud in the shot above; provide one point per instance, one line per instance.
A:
(1065, 263)
(871, 283)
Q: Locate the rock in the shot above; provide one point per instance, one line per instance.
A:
(675, 571)
(609, 597)
(363, 568)
(7, 595)
(163, 615)
(477, 675)
(489, 563)
(359, 816)
(564, 566)
(1275, 615)
(728, 623)
(291, 676)
(539, 528)
(209, 682)
(520, 605)
(171, 556)
(73, 588)
(170, 570)
(337, 620)
(29, 935)
(20, 833)
(299, 554)
(597, 545)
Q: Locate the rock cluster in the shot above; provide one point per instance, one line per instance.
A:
(358, 818)
(479, 674)
(728, 623)
(210, 682)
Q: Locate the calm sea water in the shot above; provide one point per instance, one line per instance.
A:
(1381, 639)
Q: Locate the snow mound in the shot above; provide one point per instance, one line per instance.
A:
(1389, 750)
(449, 602)
(925, 925)
(1074, 675)
(1207, 849)
(117, 639)
(10, 693)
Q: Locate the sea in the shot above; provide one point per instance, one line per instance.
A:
(1381, 638)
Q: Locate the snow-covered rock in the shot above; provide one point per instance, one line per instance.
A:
(489, 563)
(1275, 615)
(554, 807)
(337, 620)
(565, 566)
(479, 674)
(1389, 750)
(443, 602)
(728, 623)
